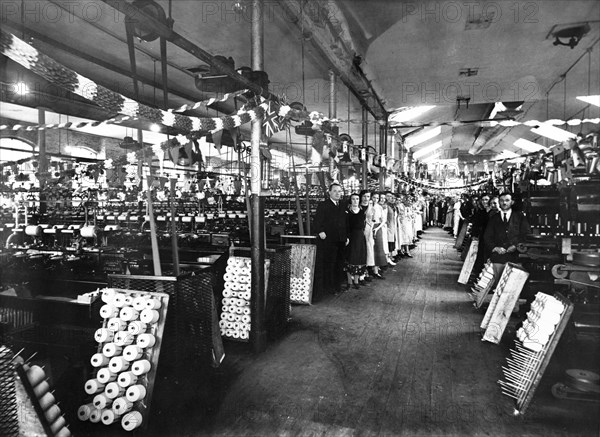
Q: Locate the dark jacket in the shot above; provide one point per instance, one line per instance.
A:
(500, 234)
(480, 220)
(332, 220)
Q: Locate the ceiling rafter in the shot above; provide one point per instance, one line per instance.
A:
(336, 52)
(180, 41)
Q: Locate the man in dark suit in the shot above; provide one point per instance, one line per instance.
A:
(331, 229)
(504, 231)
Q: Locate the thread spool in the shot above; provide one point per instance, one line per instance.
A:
(131, 420)
(63, 432)
(114, 390)
(128, 300)
(246, 311)
(153, 304)
(35, 375)
(136, 327)
(108, 295)
(116, 324)
(84, 411)
(101, 401)
(41, 389)
(103, 335)
(52, 413)
(104, 376)
(146, 340)
(47, 400)
(96, 415)
(222, 324)
(128, 314)
(123, 338)
(118, 364)
(108, 311)
(227, 293)
(119, 300)
(111, 350)
(88, 232)
(149, 316)
(141, 367)
(139, 303)
(127, 379)
(135, 393)
(93, 386)
(133, 352)
(109, 417)
(122, 405)
(33, 231)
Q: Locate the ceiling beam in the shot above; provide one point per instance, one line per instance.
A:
(335, 51)
(173, 37)
(120, 38)
(87, 57)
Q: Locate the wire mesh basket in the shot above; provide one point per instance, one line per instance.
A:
(278, 290)
(189, 334)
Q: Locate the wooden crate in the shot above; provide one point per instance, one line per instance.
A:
(467, 267)
(507, 293)
(303, 256)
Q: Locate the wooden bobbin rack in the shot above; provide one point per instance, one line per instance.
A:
(525, 367)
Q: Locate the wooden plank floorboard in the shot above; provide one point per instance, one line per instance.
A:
(401, 357)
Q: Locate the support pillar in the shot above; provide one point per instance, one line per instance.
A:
(258, 333)
(43, 160)
(365, 141)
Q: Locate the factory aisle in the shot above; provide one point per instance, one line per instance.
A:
(403, 356)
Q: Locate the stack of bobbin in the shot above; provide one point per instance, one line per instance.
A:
(483, 284)
(235, 315)
(36, 378)
(541, 322)
(122, 362)
(300, 287)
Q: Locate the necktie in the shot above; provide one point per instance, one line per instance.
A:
(504, 219)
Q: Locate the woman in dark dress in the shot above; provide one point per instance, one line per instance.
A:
(356, 251)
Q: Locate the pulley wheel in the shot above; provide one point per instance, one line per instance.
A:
(559, 271)
(586, 259)
(583, 375)
(583, 380)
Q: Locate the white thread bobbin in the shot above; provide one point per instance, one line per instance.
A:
(126, 379)
(93, 386)
(135, 393)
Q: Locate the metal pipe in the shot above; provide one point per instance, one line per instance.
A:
(382, 170)
(166, 32)
(332, 96)
(365, 140)
(257, 253)
(43, 161)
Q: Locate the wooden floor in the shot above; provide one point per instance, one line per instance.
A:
(401, 357)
